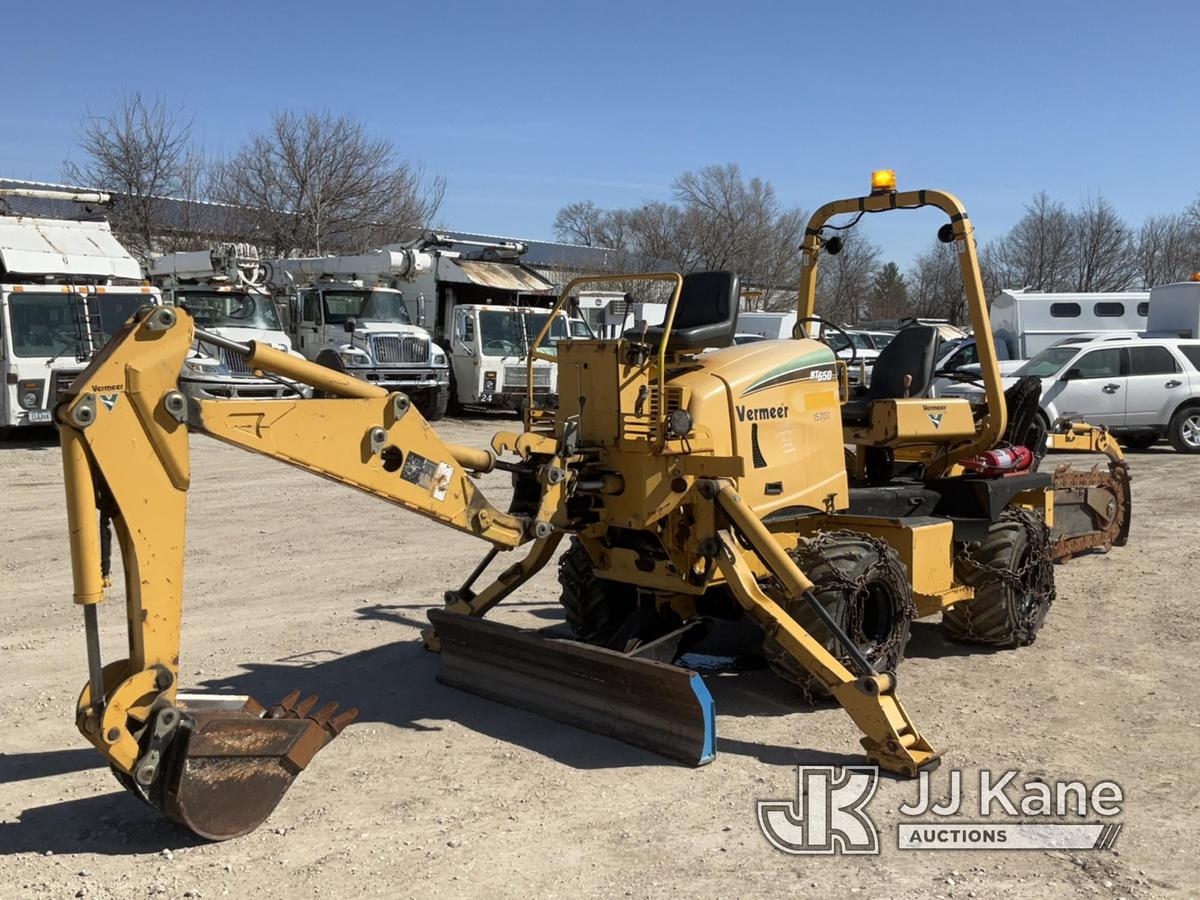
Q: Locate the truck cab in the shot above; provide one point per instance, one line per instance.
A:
(366, 331)
(222, 289)
(490, 347)
(66, 287)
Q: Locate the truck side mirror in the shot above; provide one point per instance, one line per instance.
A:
(421, 309)
(1072, 374)
(350, 324)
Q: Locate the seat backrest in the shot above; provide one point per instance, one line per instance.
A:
(913, 351)
(706, 315)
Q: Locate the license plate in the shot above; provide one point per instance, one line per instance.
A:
(40, 417)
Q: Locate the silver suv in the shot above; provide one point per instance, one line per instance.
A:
(1141, 388)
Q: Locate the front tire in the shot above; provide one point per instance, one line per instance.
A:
(596, 608)
(1184, 430)
(433, 405)
(863, 585)
(1013, 579)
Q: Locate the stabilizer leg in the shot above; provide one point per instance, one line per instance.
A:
(890, 737)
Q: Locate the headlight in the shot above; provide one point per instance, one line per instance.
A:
(354, 358)
(201, 365)
(439, 359)
(29, 394)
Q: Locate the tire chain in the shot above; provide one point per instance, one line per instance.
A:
(1038, 568)
(854, 588)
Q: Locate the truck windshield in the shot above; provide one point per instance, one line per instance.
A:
(580, 329)
(115, 310)
(501, 333)
(365, 306)
(1048, 361)
(44, 325)
(535, 322)
(230, 309)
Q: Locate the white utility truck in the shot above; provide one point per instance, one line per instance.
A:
(350, 313)
(485, 308)
(66, 286)
(223, 290)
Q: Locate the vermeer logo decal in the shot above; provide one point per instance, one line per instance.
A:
(761, 413)
(936, 419)
(109, 400)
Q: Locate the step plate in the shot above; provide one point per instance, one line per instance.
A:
(658, 707)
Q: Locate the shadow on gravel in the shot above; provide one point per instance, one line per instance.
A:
(24, 766)
(395, 684)
(116, 823)
(29, 439)
(928, 641)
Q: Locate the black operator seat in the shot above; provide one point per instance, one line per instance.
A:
(912, 352)
(706, 315)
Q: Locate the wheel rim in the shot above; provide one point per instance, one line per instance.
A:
(878, 615)
(1190, 432)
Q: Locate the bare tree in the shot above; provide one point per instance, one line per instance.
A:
(140, 153)
(318, 183)
(844, 279)
(935, 285)
(1036, 252)
(1102, 248)
(717, 220)
(1165, 250)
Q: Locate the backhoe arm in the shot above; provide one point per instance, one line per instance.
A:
(124, 431)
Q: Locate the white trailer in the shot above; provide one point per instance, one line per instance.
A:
(350, 313)
(1029, 322)
(66, 286)
(1175, 310)
(222, 288)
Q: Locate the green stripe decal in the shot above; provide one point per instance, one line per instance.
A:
(793, 370)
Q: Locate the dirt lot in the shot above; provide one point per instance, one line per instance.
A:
(295, 582)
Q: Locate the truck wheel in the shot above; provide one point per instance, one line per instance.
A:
(596, 608)
(864, 587)
(453, 406)
(1184, 430)
(1013, 579)
(433, 404)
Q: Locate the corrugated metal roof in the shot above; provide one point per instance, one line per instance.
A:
(33, 246)
(501, 276)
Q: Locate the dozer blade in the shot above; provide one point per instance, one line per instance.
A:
(230, 761)
(653, 705)
(1092, 509)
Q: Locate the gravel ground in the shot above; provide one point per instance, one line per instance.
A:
(296, 582)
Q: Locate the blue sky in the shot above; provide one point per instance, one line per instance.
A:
(524, 107)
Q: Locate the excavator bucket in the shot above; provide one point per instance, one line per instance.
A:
(229, 761)
(653, 705)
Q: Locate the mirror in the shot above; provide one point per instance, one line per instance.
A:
(1072, 374)
(350, 324)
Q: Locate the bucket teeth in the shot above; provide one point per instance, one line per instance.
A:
(301, 709)
(283, 709)
(321, 716)
(339, 722)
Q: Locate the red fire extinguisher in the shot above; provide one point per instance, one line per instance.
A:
(1001, 461)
